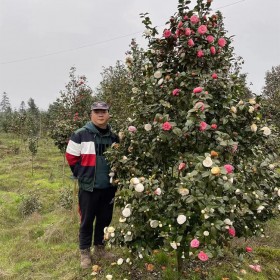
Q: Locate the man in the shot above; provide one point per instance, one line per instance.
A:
(85, 155)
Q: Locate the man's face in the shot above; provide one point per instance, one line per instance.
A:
(100, 117)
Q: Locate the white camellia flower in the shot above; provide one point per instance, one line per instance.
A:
(158, 191)
(266, 130)
(278, 192)
(122, 220)
(271, 166)
(160, 64)
(134, 89)
(206, 216)
(228, 222)
(206, 233)
(139, 188)
(207, 162)
(111, 229)
(109, 277)
(126, 212)
(279, 207)
(233, 109)
(154, 223)
(252, 101)
(241, 102)
(160, 81)
(251, 109)
(230, 180)
(238, 191)
(173, 245)
(158, 74)
(260, 208)
(254, 127)
(120, 261)
(147, 127)
(148, 32)
(181, 219)
(183, 191)
(134, 181)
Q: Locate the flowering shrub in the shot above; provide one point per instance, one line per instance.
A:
(194, 173)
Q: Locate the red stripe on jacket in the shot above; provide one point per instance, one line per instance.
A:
(72, 160)
(88, 160)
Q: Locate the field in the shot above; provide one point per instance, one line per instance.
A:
(39, 229)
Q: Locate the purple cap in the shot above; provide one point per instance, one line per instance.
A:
(100, 105)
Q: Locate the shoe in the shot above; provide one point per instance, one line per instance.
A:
(101, 253)
(85, 258)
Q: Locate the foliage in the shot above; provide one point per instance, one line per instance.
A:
(71, 110)
(197, 161)
(66, 198)
(30, 203)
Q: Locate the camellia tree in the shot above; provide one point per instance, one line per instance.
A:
(195, 166)
(70, 111)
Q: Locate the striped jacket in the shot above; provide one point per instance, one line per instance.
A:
(85, 157)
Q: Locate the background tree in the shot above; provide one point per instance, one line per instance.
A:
(5, 113)
(71, 110)
(196, 149)
(115, 88)
(271, 93)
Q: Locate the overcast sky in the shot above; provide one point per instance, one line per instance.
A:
(40, 40)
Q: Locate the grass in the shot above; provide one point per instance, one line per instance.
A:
(44, 245)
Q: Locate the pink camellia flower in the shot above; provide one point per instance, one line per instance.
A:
(166, 126)
(197, 90)
(182, 166)
(199, 105)
(202, 256)
(194, 19)
(249, 249)
(210, 39)
(176, 91)
(166, 33)
(157, 191)
(229, 168)
(255, 267)
(194, 243)
(180, 24)
(214, 76)
(222, 42)
(231, 231)
(202, 126)
(132, 128)
(178, 33)
(214, 126)
(188, 32)
(202, 29)
(186, 17)
(190, 43)
(212, 50)
(200, 53)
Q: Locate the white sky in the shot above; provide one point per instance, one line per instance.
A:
(31, 31)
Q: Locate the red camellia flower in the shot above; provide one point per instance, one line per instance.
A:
(200, 53)
(188, 32)
(190, 43)
(212, 50)
(214, 76)
(166, 33)
(202, 126)
(249, 249)
(202, 256)
(182, 166)
(231, 231)
(176, 91)
(194, 19)
(202, 29)
(229, 168)
(199, 105)
(210, 39)
(197, 90)
(222, 42)
(180, 24)
(166, 126)
(214, 126)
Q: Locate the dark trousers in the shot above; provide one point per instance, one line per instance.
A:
(97, 205)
